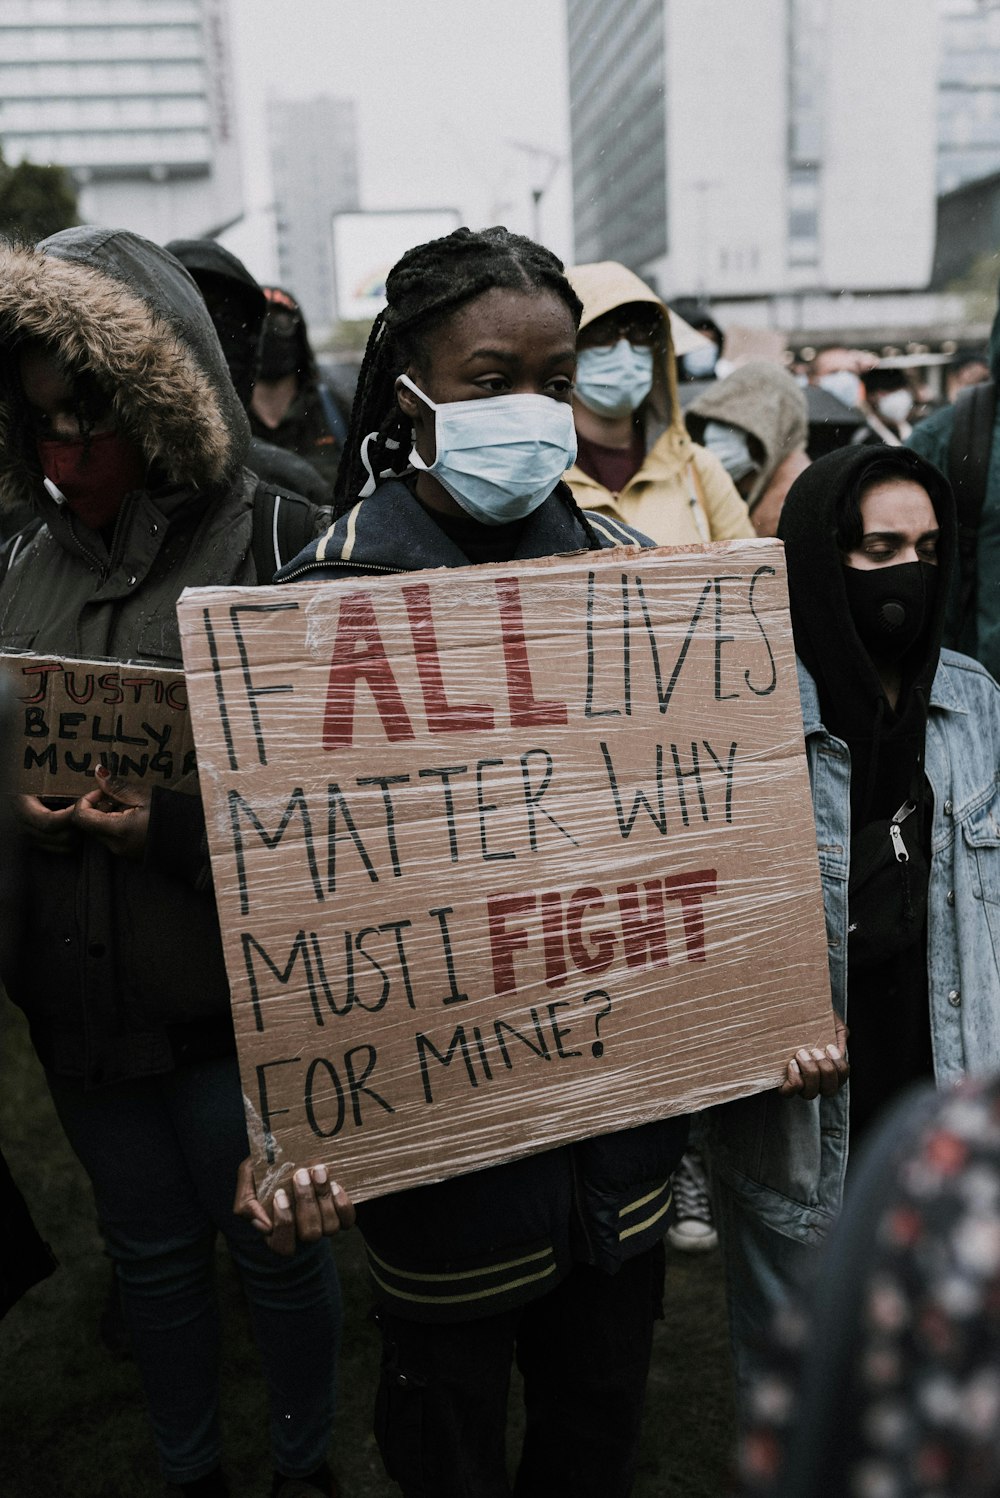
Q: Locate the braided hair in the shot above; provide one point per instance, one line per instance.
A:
(423, 290)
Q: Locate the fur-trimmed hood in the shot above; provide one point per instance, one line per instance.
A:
(120, 306)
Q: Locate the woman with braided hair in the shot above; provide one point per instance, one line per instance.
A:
(461, 431)
(426, 288)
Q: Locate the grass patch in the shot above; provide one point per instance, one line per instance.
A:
(73, 1417)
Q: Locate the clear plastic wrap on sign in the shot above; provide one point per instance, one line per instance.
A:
(506, 855)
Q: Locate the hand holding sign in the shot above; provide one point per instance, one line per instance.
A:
(322, 1208)
(48, 827)
(818, 1073)
(117, 814)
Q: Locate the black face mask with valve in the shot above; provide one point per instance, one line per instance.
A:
(890, 606)
(281, 352)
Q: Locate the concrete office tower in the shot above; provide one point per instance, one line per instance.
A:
(135, 97)
(753, 151)
(968, 92)
(314, 169)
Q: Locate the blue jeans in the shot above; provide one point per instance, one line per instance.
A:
(162, 1155)
(765, 1271)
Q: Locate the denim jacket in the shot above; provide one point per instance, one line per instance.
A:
(786, 1159)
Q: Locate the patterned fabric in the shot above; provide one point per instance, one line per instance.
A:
(888, 1384)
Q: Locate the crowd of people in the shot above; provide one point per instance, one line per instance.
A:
(164, 424)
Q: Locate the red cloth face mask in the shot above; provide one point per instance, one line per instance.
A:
(93, 476)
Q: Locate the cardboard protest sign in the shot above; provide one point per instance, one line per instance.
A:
(506, 855)
(71, 716)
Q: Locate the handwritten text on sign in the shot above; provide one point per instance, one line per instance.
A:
(74, 715)
(506, 855)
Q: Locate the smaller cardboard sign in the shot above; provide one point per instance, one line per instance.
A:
(72, 715)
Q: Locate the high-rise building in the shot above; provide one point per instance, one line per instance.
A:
(617, 79)
(135, 98)
(314, 168)
(719, 152)
(968, 92)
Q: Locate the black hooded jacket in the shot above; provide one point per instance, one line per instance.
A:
(886, 746)
(313, 426)
(118, 964)
(209, 262)
(888, 997)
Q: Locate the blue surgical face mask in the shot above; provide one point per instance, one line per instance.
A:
(699, 363)
(730, 446)
(614, 381)
(499, 457)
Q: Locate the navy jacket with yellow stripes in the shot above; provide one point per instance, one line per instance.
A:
(485, 1242)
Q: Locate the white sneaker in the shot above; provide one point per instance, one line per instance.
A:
(692, 1232)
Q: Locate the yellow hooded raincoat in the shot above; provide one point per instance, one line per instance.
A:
(681, 495)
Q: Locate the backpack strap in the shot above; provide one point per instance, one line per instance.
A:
(968, 466)
(283, 524)
(15, 543)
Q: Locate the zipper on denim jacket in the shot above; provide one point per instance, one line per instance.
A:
(895, 835)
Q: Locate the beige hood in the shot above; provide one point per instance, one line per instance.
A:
(763, 400)
(606, 284)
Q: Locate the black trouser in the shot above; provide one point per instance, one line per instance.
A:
(583, 1351)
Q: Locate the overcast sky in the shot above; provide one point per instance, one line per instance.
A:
(442, 88)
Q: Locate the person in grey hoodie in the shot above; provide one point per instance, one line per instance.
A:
(756, 422)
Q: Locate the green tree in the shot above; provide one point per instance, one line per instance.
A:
(979, 287)
(35, 201)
